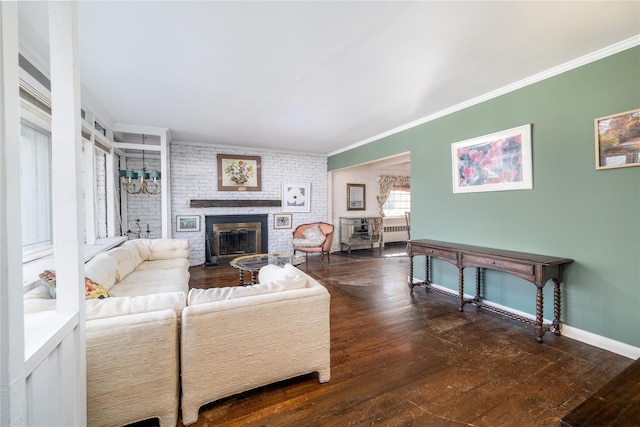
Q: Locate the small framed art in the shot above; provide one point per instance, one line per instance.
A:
(356, 200)
(187, 223)
(282, 221)
(296, 197)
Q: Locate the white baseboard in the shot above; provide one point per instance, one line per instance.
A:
(601, 342)
(567, 330)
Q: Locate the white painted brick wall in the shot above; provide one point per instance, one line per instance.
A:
(145, 207)
(194, 176)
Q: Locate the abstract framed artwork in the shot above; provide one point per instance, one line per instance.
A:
(496, 162)
(281, 221)
(239, 173)
(618, 140)
(296, 197)
(187, 223)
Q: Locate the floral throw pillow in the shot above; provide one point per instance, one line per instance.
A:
(49, 278)
(91, 290)
(312, 237)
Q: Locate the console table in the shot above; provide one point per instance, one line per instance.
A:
(537, 269)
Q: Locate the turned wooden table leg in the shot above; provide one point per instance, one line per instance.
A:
(241, 277)
(410, 281)
(478, 284)
(539, 314)
(556, 306)
(427, 271)
(460, 288)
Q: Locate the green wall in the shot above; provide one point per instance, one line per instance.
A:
(573, 210)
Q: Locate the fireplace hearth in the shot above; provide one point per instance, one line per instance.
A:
(230, 236)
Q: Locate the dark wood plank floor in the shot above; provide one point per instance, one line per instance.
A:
(402, 359)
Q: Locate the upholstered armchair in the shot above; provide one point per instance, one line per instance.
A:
(313, 238)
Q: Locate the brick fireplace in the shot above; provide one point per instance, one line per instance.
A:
(230, 236)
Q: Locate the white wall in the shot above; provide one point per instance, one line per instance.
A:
(194, 176)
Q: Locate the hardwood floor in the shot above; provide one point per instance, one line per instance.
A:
(414, 360)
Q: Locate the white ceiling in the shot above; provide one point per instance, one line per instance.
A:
(320, 76)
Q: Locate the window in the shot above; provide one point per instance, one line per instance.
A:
(35, 166)
(398, 202)
(101, 192)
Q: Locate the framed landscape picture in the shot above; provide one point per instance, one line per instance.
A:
(495, 162)
(187, 223)
(618, 140)
(282, 221)
(296, 197)
(239, 173)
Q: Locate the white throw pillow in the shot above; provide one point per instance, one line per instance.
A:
(101, 269)
(127, 259)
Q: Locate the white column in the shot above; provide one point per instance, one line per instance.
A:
(166, 184)
(88, 175)
(68, 219)
(13, 400)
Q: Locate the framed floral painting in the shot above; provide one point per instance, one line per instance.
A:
(296, 197)
(496, 162)
(239, 173)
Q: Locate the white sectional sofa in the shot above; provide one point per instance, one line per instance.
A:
(154, 337)
(238, 338)
(132, 340)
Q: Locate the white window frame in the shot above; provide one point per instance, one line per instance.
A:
(392, 198)
(36, 118)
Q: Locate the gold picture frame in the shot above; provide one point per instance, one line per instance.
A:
(356, 197)
(618, 140)
(239, 173)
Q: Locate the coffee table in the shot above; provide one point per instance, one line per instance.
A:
(253, 264)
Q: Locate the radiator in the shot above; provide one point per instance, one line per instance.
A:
(394, 233)
(395, 229)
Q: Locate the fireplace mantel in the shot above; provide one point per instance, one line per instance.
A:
(207, 203)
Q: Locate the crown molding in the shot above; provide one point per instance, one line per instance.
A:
(562, 68)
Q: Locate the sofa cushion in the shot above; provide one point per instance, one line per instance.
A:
(280, 280)
(164, 264)
(38, 299)
(131, 305)
(149, 282)
(159, 249)
(140, 245)
(102, 269)
(127, 259)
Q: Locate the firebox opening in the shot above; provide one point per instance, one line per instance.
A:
(230, 236)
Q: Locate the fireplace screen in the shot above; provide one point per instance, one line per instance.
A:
(237, 239)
